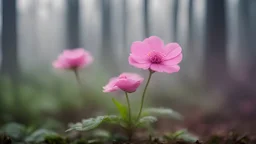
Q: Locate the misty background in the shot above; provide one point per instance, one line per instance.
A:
(217, 75)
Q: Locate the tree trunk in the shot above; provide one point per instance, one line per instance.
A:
(73, 37)
(146, 20)
(107, 51)
(10, 66)
(175, 20)
(124, 23)
(246, 37)
(9, 39)
(190, 26)
(215, 50)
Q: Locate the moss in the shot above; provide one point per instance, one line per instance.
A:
(53, 139)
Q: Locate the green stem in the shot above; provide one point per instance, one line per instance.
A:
(143, 94)
(81, 91)
(129, 107)
(129, 130)
(77, 77)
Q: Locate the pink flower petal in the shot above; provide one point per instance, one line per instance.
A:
(132, 76)
(171, 69)
(128, 85)
(172, 50)
(152, 54)
(164, 68)
(73, 53)
(57, 64)
(111, 86)
(138, 62)
(127, 82)
(139, 59)
(174, 61)
(60, 63)
(139, 48)
(73, 59)
(155, 43)
(77, 61)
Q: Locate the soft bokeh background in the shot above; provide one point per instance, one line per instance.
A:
(215, 87)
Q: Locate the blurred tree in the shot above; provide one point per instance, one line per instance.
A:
(246, 31)
(10, 65)
(175, 7)
(190, 26)
(244, 24)
(215, 51)
(241, 100)
(73, 37)
(252, 36)
(107, 51)
(146, 20)
(9, 39)
(124, 23)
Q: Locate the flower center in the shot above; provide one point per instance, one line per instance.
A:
(155, 57)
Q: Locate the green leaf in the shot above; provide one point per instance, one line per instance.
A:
(145, 121)
(181, 134)
(101, 134)
(162, 112)
(188, 137)
(178, 133)
(123, 109)
(14, 130)
(39, 135)
(92, 123)
(175, 134)
(113, 119)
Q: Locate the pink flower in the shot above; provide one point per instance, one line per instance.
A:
(127, 82)
(73, 59)
(152, 54)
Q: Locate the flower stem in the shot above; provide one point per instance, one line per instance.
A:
(143, 94)
(129, 107)
(77, 77)
(129, 130)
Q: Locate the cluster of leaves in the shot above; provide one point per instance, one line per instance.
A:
(14, 133)
(19, 133)
(148, 117)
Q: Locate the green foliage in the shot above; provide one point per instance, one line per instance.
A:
(162, 112)
(14, 130)
(21, 133)
(39, 135)
(101, 134)
(123, 109)
(146, 121)
(54, 139)
(92, 123)
(181, 134)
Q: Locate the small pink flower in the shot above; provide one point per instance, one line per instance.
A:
(73, 59)
(152, 54)
(127, 82)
